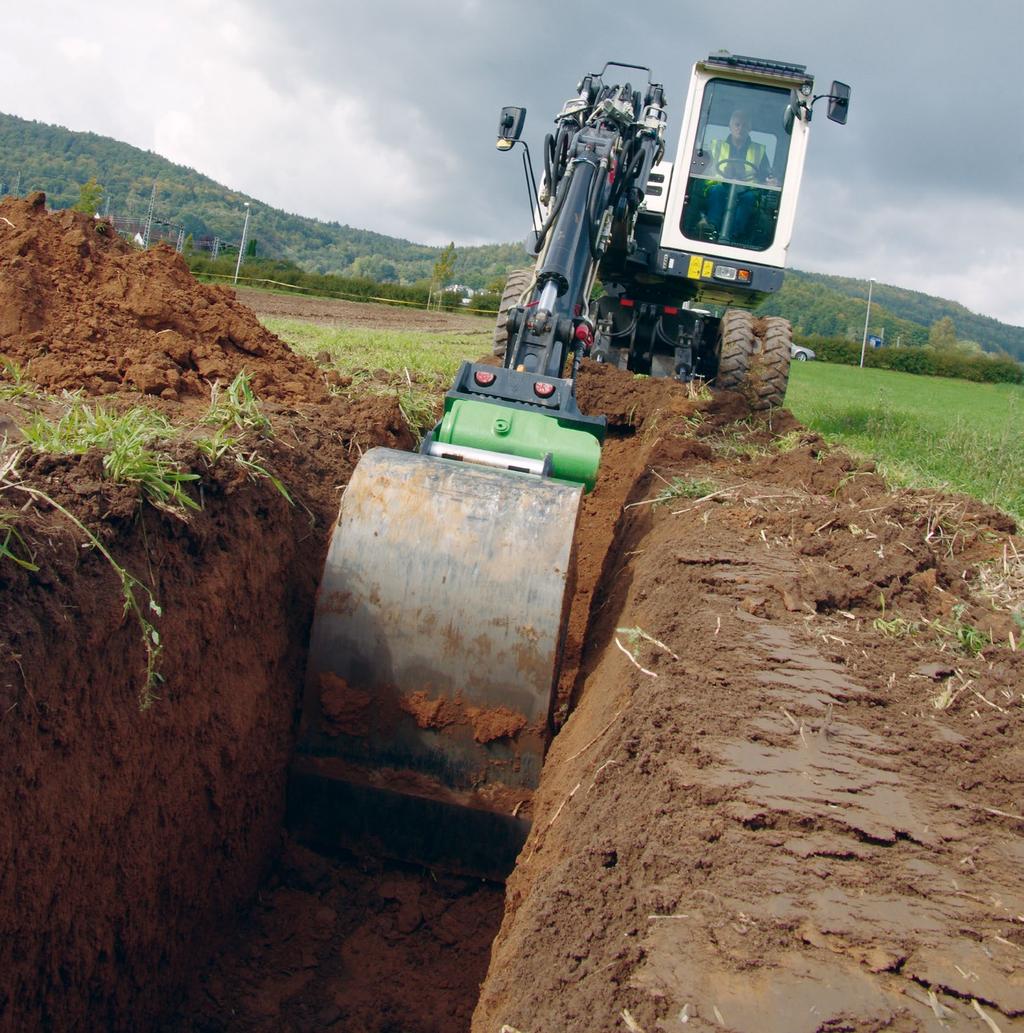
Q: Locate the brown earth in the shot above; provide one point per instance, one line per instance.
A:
(786, 795)
(337, 311)
(767, 812)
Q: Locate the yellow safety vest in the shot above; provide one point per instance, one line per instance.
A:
(722, 152)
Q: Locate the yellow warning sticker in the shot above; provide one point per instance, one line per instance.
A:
(693, 272)
(708, 268)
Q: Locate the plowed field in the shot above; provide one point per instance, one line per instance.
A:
(785, 792)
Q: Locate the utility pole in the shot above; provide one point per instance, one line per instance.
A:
(149, 217)
(241, 247)
(17, 184)
(180, 246)
(216, 247)
(867, 316)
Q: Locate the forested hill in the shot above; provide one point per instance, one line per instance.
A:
(834, 306)
(36, 156)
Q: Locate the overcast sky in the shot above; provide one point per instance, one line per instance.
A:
(382, 114)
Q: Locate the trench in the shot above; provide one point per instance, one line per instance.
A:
(151, 880)
(362, 942)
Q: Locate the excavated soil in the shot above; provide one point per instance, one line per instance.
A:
(767, 811)
(786, 790)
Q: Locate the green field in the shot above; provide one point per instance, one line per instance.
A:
(430, 355)
(924, 431)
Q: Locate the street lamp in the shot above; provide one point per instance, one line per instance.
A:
(867, 316)
(241, 247)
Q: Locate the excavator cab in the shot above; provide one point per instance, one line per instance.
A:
(730, 205)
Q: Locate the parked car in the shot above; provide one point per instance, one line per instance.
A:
(800, 353)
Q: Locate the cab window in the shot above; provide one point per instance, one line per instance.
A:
(738, 165)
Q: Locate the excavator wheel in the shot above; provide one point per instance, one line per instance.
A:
(517, 282)
(768, 375)
(435, 647)
(753, 357)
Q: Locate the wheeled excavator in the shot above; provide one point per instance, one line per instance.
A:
(440, 617)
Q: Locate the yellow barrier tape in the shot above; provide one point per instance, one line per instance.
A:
(343, 295)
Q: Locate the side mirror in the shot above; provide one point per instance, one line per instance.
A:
(839, 102)
(510, 126)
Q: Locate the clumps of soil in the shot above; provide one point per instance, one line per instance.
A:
(132, 836)
(82, 308)
(792, 804)
(369, 946)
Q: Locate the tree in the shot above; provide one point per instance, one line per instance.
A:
(373, 267)
(90, 195)
(942, 335)
(442, 273)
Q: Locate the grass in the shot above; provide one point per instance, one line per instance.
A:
(220, 444)
(125, 440)
(12, 543)
(13, 383)
(237, 406)
(433, 356)
(418, 363)
(923, 431)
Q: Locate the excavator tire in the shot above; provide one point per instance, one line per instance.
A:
(753, 357)
(735, 348)
(768, 374)
(435, 648)
(517, 282)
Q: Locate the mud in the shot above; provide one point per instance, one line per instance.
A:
(774, 813)
(785, 795)
(363, 947)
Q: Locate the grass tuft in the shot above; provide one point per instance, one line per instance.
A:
(220, 444)
(13, 383)
(137, 598)
(125, 440)
(237, 406)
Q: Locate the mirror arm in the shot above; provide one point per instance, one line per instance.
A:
(532, 197)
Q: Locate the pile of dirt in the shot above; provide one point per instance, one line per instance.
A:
(131, 835)
(788, 797)
(81, 308)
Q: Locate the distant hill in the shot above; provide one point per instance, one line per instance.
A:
(36, 156)
(834, 306)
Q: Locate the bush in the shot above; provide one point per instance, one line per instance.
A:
(924, 361)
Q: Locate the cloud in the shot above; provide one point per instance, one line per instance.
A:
(78, 50)
(382, 115)
(967, 250)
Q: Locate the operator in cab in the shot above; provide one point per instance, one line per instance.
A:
(736, 160)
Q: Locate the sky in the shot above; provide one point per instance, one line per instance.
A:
(382, 114)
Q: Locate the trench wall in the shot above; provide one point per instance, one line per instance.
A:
(129, 837)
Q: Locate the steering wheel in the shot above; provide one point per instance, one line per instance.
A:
(749, 169)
